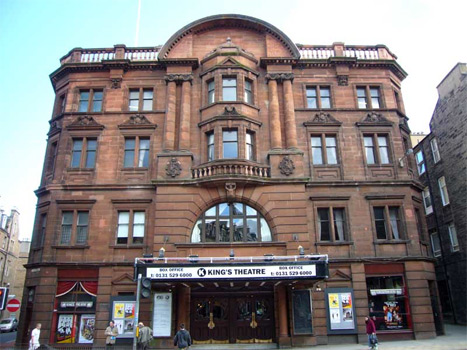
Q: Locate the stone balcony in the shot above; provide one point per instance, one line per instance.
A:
(230, 168)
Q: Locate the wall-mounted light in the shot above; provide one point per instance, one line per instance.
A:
(162, 253)
(193, 258)
(407, 153)
(268, 257)
(232, 254)
(301, 251)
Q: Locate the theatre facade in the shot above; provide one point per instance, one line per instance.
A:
(261, 190)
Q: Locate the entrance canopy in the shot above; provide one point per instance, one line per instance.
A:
(265, 268)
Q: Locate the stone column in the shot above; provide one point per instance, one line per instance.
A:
(169, 137)
(276, 137)
(185, 112)
(282, 298)
(290, 126)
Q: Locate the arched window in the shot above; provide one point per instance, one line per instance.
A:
(231, 222)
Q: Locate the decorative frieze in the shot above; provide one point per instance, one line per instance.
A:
(137, 121)
(179, 78)
(343, 80)
(374, 118)
(85, 122)
(323, 118)
(116, 83)
(279, 77)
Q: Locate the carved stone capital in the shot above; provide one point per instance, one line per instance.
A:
(280, 77)
(179, 78)
(230, 111)
(286, 166)
(343, 80)
(85, 122)
(173, 167)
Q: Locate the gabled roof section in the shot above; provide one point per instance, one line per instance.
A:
(229, 20)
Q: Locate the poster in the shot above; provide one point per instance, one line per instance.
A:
(64, 329)
(119, 310)
(119, 325)
(333, 300)
(129, 310)
(392, 315)
(162, 314)
(346, 300)
(347, 315)
(128, 326)
(335, 315)
(86, 329)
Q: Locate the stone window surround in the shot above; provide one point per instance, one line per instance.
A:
(217, 126)
(73, 206)
(130, 205)
(83, 134)
(136, 133)
(91, 90)
(217, 74)
(378, 130)
(367, 87)
(141, 87)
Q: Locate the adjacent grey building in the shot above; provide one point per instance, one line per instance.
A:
(441, 159)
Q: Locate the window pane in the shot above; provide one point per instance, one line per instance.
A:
(250, 211)
(339, 224)
(229, 89)
(323, 224)
(91, 153)
(97, 101)
(325, 97)
(237, 209)
(435, 150)
(375, 102)
(252, 230)
(394, 217)
(224, 230)
(369, 149)
(147, 100)
(383, 149)
(238, 230)
(134, 100)
(67, 222)
(129, 152)
(230, 149)
(361, 98)
(453, 237)
(316, 150)
(224, 209)
(138, 226)
(143, 160)
(420, 162)
(229, 136)
(122, 230)
(435, 243)
(265, 231)
(196, 234)
(380, 223)
(82, 227)
(210, 230)
(211, 211)
(211, 91)
(331, 150)
(248, 92)
(76, 155)
(443, 190)
(83, 101)
(249, 146)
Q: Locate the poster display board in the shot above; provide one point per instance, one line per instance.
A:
(302, 321)
(65, 329)
(162, 314)
(86, 329)
(123, 313)
(340, 311)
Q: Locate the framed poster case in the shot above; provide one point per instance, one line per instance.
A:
(340, 311)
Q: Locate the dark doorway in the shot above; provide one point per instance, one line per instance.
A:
(438, 318)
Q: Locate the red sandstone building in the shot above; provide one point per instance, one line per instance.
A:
(273, 175)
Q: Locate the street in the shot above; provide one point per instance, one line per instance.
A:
(7, 338)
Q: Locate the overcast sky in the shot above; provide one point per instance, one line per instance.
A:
(427, 36)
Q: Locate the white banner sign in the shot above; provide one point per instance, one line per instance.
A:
(232, 272)
(162, 314)
(385, 291)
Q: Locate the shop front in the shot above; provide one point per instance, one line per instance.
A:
(233, 300)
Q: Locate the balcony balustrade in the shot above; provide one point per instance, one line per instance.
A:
(230, 167)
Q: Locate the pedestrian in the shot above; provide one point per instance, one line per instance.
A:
(182, 338)
(111, 332)
(371, 332)
(35, 335)
(144, 336)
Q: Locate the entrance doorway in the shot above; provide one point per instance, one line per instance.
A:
(235, 318)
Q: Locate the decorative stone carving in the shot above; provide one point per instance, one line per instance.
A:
(173, 167)
(228, 47)
(179, 78)
(54, 128)
(374, 117)
(280, 77)
(325, 118)
(86, 122)
(230, 111)
(343, 80)
(230, 188)
(137, 121)
(286, 166)
(116, 83)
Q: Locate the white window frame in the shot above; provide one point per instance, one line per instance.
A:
(421, 166)
(435, 151)
(443, 189)
(453, 237)
(434, 236)
(426, 194)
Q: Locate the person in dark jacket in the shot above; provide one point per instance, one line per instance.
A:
(370, 331)
(182, 338)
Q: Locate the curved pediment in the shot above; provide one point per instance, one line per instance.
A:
(193, 38)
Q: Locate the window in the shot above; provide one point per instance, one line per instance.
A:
(435, 243)
(60, 105)
(248, 91)
(420, 162)
(388, 223)
(90, 100)
(51, 157)
(250, 145)
(231, 222)
(318, 97)
(87, 146)
(130, 227)
(427, 201)
(230, 144)
(74, 221)
(41, 233)
(211, 91)
(229, 89)
(443, 190)
(324, 149)
(331, 224)
(376, 149)
(368, 97)
(453, 237)
(136, 152)
(140, 100)
(210, 146)
(435, 151)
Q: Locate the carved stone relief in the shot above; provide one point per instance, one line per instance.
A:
(286, 166)
(173, 168)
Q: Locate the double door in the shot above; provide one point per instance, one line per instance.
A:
(232, 319)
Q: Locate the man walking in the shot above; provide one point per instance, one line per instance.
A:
(144, 336)
(111, 332)
(35, 335)
(182, 338)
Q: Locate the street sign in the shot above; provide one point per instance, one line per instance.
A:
(13, 305)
